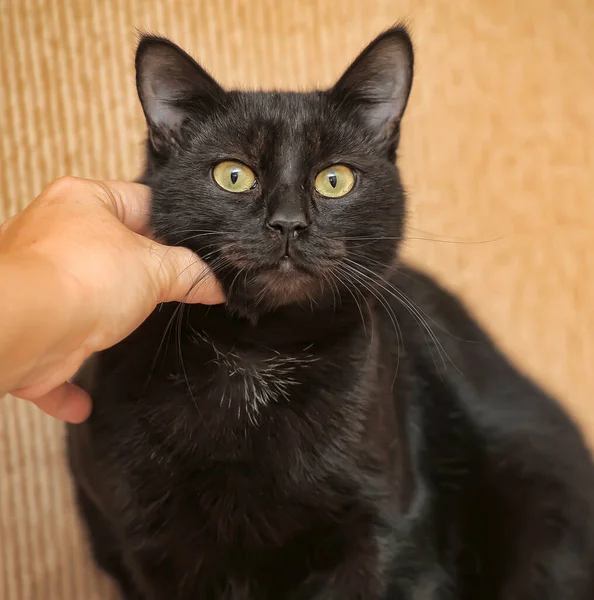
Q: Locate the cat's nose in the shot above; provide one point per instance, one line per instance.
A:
(288, 225)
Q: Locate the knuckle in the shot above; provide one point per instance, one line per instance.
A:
(4, 226)
(61, 186)
(80, 189)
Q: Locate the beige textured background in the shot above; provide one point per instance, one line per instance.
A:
(497, 153)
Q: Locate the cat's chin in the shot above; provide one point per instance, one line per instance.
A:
(270, 289)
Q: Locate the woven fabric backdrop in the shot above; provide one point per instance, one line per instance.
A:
(497, 154)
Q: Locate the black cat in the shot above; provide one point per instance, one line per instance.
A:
(341, 428)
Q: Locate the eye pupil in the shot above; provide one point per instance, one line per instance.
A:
(234, 175)
(332, 179)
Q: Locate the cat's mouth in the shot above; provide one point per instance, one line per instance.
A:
(262, 284)
(285, 283)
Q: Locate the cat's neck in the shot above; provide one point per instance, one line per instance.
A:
(292, 375)
(285, 328)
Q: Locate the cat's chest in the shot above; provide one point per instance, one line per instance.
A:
(236, 380)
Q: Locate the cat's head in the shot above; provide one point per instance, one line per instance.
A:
(291, 198)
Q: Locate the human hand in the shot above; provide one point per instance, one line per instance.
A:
(78, 256)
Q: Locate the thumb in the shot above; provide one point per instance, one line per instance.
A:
(181, 276)
(66, 402)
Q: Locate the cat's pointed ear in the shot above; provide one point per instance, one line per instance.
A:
(377, 84)
(173, 88)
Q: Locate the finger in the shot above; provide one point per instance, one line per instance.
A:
(181, 276)
(129, 202)
(67, 402)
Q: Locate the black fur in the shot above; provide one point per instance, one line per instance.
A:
(341, 428)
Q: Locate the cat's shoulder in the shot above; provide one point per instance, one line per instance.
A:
(431, 298)
(512, 413)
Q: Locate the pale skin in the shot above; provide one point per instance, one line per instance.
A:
(79, 273)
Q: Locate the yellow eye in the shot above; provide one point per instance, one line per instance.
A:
(234, 177)
(335, 181)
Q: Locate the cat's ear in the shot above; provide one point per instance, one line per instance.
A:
(173, 88)
(377, 84)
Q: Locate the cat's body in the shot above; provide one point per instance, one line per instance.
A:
(365, 440)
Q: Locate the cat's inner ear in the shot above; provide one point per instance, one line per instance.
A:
(377, 84)
(173, 88)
